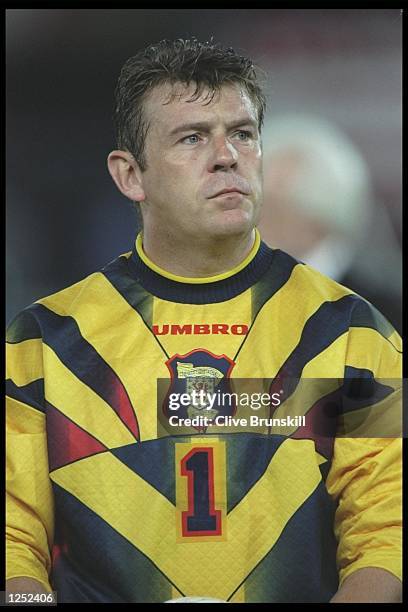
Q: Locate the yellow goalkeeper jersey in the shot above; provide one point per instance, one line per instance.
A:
(105, 503)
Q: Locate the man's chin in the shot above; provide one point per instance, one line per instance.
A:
(232, 222)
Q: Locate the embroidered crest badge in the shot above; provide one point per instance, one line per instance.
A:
(204, 377)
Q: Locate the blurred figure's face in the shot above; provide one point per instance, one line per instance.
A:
(204, 167)
(283, 224)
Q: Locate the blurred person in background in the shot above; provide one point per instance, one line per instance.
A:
(319, 206)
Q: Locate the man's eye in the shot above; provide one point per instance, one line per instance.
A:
(192, 139)
(243, 135)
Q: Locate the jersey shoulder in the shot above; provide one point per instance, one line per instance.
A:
(93, 290)
(309, 283)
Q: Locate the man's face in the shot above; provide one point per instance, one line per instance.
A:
(196, 150)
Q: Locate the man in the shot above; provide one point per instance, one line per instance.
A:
(350, 237)
(104, 505)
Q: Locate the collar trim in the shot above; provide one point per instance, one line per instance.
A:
(181, 290)
(196, 280)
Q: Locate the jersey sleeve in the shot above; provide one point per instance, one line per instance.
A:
(366, 473)
(29, 499)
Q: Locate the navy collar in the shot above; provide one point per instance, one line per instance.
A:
(203, 293)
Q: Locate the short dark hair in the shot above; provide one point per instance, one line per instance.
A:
(207, 65)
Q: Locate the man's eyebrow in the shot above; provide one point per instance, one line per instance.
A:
(205, 126)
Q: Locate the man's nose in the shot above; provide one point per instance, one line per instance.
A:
(224, 155)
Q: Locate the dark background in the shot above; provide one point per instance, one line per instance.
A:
(65, 218)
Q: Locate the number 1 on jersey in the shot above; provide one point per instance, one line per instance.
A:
(202, 518)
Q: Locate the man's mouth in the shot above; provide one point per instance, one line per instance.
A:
(228, 190)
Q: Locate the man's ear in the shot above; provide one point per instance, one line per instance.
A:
(126, 174)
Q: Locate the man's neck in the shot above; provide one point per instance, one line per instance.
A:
(198, 258)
